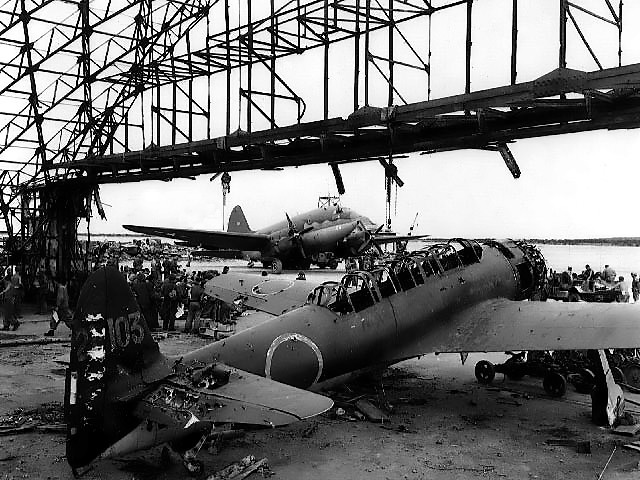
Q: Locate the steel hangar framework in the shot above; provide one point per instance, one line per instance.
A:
(117, 91)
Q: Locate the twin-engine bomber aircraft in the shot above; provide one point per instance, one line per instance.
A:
(321, 236)
(461, 296)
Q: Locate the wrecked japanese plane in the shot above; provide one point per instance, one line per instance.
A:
(320, 237)
(123, 395)
(461, 296)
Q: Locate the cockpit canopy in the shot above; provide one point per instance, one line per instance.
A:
(361, 289)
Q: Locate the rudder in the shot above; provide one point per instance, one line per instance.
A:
(113, 360)
(238, 222)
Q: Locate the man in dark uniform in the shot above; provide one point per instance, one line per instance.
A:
(195, 307)
(169, 303)
(143, 291)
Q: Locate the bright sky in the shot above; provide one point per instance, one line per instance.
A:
(572, 186)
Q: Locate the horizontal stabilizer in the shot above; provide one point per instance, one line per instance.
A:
(223, 394)
(274, 295)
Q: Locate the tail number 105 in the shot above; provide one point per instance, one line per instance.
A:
(124, 330)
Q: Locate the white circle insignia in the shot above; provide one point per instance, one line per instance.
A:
(285, 337)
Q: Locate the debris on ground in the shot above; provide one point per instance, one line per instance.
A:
(22, 342)
(627, 430)
(310, 430)
(48, 414)
(371, 412)
(242, 469)
(581, 446)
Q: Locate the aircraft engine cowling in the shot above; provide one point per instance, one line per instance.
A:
(528, 264)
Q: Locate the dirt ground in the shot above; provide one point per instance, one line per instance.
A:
(443, 425)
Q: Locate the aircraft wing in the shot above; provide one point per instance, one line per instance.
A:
(271, 294)
(223, 394)
(502, 325)
(382, 240)
(208, 239)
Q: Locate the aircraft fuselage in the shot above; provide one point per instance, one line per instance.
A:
(383, 321)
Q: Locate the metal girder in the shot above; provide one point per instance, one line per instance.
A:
(608, 99)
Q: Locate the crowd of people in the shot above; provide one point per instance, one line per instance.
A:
(166, 292)
(590, 281)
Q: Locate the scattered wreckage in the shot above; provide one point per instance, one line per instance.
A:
(460, 296)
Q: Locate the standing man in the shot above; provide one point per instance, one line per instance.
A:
(169, 303)
(195, 307)
(635, 286)
(16, 280)
(8, 296)
(62, 311)
(143, 291)
(609, 274)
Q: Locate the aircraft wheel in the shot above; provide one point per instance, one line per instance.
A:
(485, 372)
(194, 467)
(555, 384)
(276, 266)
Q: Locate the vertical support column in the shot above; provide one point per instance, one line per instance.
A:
(429, 60)
(467, 85)
(326, 59)
(174, 111)
(126, 130)
(391, 28)
(190, 84)
(514, 42)
(208, 48)
(86, 67)
(158, 105)
(366, 52)
(356, 58)
(620, 34)
(228, 68)
(562, 56)
(273, 65)
(249, 64)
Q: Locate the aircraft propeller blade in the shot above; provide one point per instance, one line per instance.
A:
(296, 236)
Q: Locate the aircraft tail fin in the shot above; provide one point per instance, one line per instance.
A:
(238, 222)
(114, 359)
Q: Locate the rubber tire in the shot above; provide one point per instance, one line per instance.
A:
(555, 384)
(276, 266)
(485, 372)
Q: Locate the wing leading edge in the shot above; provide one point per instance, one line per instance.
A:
(208, 239)
(500, 325)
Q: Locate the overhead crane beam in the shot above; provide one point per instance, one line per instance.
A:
(608, 99)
